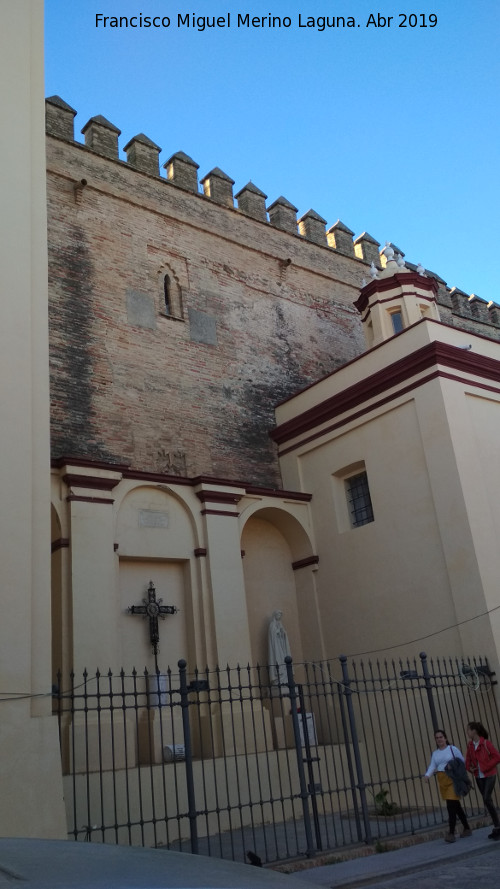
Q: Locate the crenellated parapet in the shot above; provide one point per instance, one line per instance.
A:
(60, 118)
(252, 202)
(367, 249)
(312, 227)
(101, 136)
(283, 215)
(142, 154)
(182, 171)
(339, 237)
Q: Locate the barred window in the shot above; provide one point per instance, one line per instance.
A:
(359, 500)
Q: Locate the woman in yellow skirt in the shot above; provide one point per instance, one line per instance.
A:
(443, 754)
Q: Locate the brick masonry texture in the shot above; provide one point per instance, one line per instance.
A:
(271, 313)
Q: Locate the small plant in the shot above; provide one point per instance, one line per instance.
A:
(384, 806)
(381, 847)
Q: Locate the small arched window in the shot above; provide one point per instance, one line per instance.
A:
(167, 294)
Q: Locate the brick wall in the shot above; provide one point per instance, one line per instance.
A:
(255, 314)
(195, 394)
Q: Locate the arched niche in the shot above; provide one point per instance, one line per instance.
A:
(153, 522)
(273, 542)
(155, 542)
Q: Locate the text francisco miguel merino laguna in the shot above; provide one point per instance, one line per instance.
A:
(245, 20)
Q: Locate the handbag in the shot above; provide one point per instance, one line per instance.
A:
(455, 769)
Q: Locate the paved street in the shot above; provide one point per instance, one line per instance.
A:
(481, 870)
(474, 861)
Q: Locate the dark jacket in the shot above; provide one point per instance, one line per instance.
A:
(484, 757)
(456, 770)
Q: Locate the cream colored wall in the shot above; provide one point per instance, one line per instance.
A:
(430, 560)
(169, 579)
(236, 782)
(122, 533)
(272, 541)
(474, 419)
(32, 797)
(384, 583)
(270, 586)
(192, 551)
(387, 352)
(412, 302)
(164, 555)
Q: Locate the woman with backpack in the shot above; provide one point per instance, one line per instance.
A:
(481, 759)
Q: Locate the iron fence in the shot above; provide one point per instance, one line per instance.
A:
(225, 763)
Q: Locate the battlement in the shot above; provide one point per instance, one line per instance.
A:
(142, 154)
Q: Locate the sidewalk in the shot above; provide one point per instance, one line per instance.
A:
(411, 859)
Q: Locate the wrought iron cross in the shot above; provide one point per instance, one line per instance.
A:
(153, 609)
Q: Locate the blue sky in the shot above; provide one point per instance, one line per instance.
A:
(393, 130)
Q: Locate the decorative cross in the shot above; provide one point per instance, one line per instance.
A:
(153, 609)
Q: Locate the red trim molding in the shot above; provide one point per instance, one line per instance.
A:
(78, 498)
(158, 477)
(366, 410)
(388, 378)
(390, 299)
(276, 492)
(380, 285)
(61, 543)
(90, 481)
(304, 563)
(163, 478)
(218, 496)
(235, 515)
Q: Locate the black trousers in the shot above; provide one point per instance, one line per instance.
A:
(455, 811)
(486, 787)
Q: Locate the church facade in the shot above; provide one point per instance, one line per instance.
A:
(179, 322)
(238, 421)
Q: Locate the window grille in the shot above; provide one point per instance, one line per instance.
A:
(359, 500)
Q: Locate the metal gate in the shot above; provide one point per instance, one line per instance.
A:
(225, 763)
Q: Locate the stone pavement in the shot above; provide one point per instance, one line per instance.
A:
(481, 870)
(474, 861)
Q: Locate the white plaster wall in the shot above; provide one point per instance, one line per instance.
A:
(32, 799)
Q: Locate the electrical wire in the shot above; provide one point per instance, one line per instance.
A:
(20, 696)
(428, 636)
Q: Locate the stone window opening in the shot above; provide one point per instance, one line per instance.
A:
(351, 497)
(397, 320)
(359, 500)
(169, 294)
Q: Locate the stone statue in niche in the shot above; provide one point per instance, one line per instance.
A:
(279, 648)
